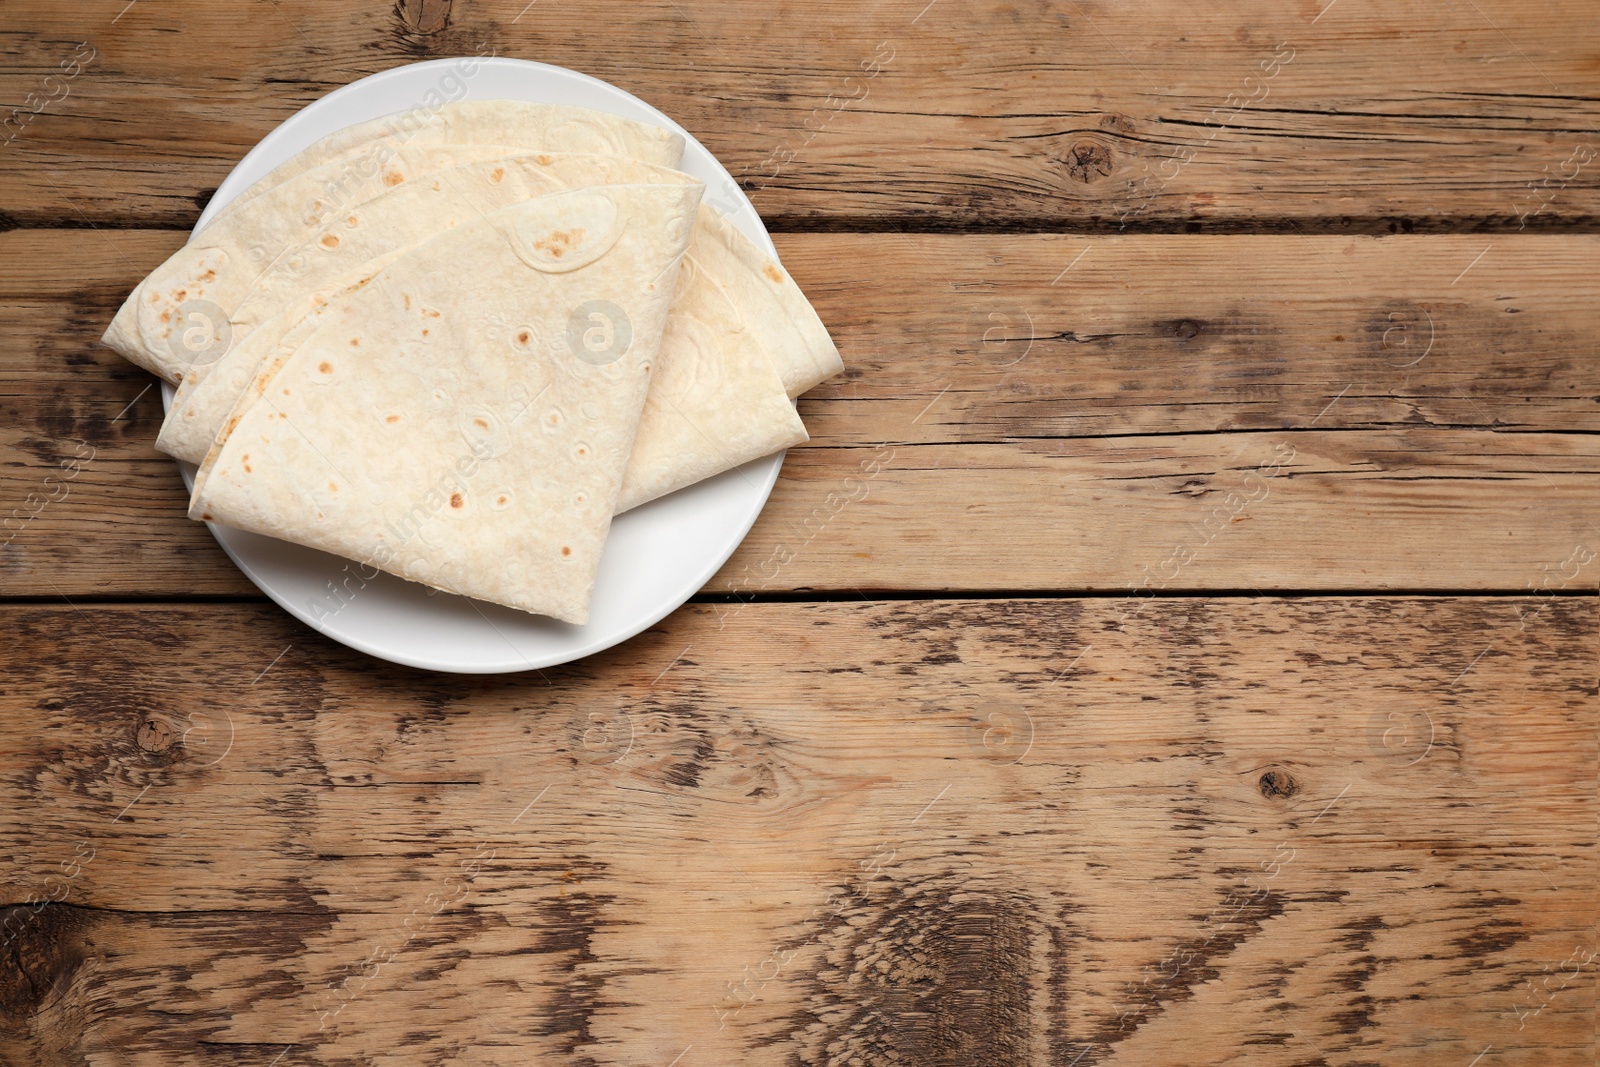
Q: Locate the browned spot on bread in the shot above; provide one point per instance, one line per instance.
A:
(560, 242)
(497, 174)
(436, 187)
(455, 500)
(286, 392)
(544, 160)
(353, 221)
(325, 367)
(166, 316)
(330, 241)
(392, 418)
(480, 423)
(522, 338)
(431, 313)
(245, 463)
(408, 301)
(333, 487)
(501, 499)
(205, 516)
(424, 331)
(209, 276)
(181, 294)
(393, 178)
(772, 272)
(566, 551)
(355, 342)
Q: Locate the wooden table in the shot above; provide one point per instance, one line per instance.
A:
(1205, 672)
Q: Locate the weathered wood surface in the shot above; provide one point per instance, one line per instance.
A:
(1342, 115)
(1011, 832)
(1018, 413)
(1134, 829)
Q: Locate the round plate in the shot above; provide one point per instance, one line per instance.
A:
(657, 556)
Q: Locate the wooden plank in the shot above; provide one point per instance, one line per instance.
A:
(1443, 510)
(1241, 831)
(1018, 433)
(1045, 336)
(1023, 337)
(1404, 115)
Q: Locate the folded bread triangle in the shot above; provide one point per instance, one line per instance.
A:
(465, 418)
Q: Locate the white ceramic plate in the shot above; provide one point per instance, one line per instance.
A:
(657, 555)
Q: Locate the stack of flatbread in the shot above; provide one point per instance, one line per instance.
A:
(452, 344)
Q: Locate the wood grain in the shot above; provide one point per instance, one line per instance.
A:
(1020, 826)
(1269, 412)
(1408, 115)
(1216, 830)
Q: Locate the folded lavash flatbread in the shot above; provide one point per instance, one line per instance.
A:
(412, 432)
(169, 316)
(366, 147)
(715, 402)
(172, 313)
(789, 328)
(359, 244)
(721, 400)
(716, 399)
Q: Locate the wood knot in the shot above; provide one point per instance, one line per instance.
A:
(1088, 161)
(1278, 784)
(155, 735)
(1185, 329)
(424, 16)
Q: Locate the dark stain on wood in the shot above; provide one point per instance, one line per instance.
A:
(1192, 962)
(937, 971)
(687, 773)
(1356, 940)
(568, 926)
(42, 946)
(1489, 937)
(1065, 1049)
